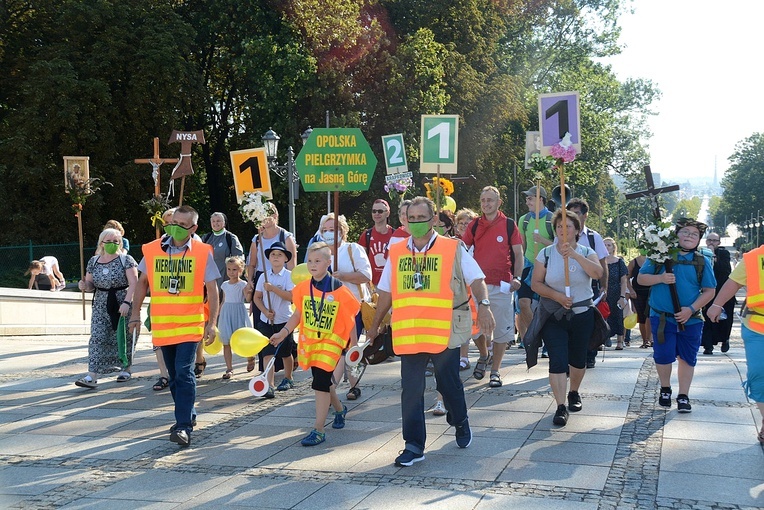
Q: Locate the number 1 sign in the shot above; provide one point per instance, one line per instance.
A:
(559, 113)
(440, 141)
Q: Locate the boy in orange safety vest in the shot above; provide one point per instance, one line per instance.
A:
(325, 310)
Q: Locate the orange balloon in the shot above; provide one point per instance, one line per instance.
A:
(247, 342)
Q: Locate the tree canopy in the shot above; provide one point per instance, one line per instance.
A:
(102, 78)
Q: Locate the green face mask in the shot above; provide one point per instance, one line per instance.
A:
(218, 232)
(419, 228)
(440, 230)
(110, 248)
(177, 232)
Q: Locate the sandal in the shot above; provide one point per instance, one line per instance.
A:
(199, 368)
(250, 364)
(161, 383)
(124, 376)
(495, 380)
(480, 366)
(228, 374)
(464, 363)
(353, 393)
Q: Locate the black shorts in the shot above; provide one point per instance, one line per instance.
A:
(284, 348)
(322, 380)
(525, 291)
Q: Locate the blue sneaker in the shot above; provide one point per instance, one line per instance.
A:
(463, 435)
(315, 437)
(408, 458)
(285, 384)
(339, 418)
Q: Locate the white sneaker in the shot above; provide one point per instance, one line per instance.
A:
(439, 409)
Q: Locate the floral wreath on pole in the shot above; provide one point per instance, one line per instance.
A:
(563, 152)
(397, 190)
(446, 190)
(659, 242)
(255, 208)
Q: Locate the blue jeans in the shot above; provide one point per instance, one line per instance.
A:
(180, 359)
(449, 384)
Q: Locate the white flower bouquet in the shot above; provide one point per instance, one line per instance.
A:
(659, 242)
(255, 208)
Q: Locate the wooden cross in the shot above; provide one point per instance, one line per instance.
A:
(652, 192)
(155, 163)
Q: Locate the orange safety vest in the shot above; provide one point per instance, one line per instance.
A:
(421, 319)
(176, 318)
(320, 343)
(754, 271)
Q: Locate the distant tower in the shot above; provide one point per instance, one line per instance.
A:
(716, 181)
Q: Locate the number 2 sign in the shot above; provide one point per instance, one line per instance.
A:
(395, 155)
(559, 113)
(440, 142)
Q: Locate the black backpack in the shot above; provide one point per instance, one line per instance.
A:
(510, 229)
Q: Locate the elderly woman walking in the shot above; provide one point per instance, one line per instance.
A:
(112, 275)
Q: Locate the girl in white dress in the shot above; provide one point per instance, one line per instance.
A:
(233, 313)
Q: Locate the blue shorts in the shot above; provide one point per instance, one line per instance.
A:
(754, 356)
(678, 344)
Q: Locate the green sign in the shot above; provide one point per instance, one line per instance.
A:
(440, 142)
(336, 159)
(395, 154)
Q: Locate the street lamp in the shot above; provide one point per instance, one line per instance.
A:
(286, 171)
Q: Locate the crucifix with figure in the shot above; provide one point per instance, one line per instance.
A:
(652, 192)
(155, 163)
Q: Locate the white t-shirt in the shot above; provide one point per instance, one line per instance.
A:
(599, 244)
(282, 280)
(359, 263)
(470, 269)
(48, 261)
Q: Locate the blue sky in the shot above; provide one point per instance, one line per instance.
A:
(705, 57)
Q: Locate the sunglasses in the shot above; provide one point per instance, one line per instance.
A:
(378, 211)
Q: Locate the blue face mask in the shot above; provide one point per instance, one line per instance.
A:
(328, 237)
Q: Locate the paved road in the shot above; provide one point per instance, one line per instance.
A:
(67, 447)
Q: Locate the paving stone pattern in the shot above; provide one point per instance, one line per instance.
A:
(38, 402)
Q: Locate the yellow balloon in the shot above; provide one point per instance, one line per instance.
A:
(216, 346)
(300, 273)
(450, 204)
(630, 320)
(247, 342)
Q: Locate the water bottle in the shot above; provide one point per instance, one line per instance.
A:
(723, 315)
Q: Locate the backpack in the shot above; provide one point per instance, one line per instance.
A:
(368, 242)
(282, 237)
(527, 219)
(698, 260)
(510, 229)
(228, 239)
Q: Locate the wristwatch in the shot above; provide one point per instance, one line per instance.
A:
(485, 302)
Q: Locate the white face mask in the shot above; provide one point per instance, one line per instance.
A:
(328, 237)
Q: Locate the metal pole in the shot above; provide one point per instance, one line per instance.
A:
(290, 182)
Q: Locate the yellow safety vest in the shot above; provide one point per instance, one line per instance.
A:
(421, 320)
(176, 318)
(322, 339)
(754, 271)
